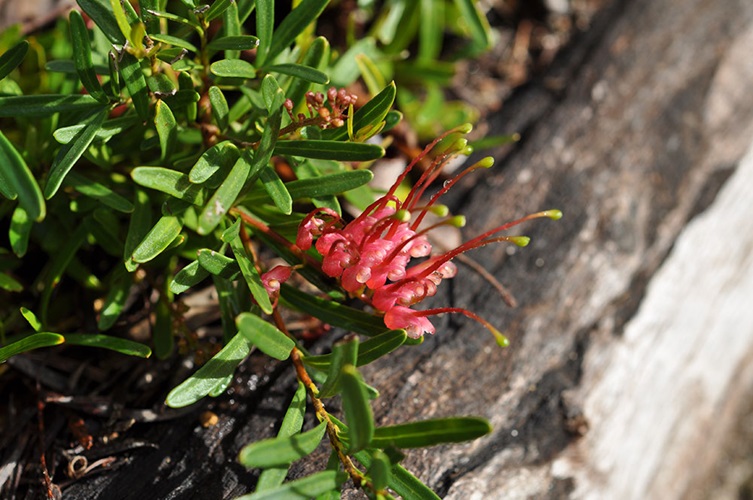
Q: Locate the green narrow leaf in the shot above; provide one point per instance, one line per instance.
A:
(250, 274)
(9, 284)
(43, 106)
(225, 195)
(31, 318)
(19, 232)
(34, 341)
(368, 351)
(222, 154)
(233, 68)
(172, 17)
(276, 189)
(119, 286)
(123, 346)
(343, 353)
(133, 76)
(220, 108)
(303, 489)
(145, 8)
(316, 57)
(431, 432)
(405, 484)
(163, 233)
(168, 181)
(294, 23)
(212, 373)
(167, 128)
(379, 470)
(121, 19)
(232, 23)
(162, 332)
(330, 150)
(98, 192)
(237, 42)
(21, 182)
(357, 409)
(109, 129)
(430, 30)
(218, 264)
(265, 23)
(187, 277)
(216, 10)
(12, 58)
(101, 13)
(300, 71)
(174, 41)
(332, 312)
(82, 57)
(476, 22)
(281, 450)
(272, 93)
(292, 423)
(265, 336)
(70, 153)
(372, 113)
(138, 227)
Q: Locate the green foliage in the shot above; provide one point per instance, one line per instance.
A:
(149, 147)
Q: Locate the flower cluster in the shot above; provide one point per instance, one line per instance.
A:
(333, 112)
(371, 256)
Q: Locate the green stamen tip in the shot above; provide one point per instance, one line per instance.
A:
(467, 151)
(521, 241)
(501, 340)
(465, 128)
(553, 214)
(402, 215)
(457, 221)
(485, 162)
(439, 210)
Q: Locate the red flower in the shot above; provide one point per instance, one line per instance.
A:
(371, 255)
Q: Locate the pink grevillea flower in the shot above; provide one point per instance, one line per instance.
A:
(273, 280)
(371, 256)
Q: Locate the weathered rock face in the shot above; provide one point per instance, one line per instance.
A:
(629, 370)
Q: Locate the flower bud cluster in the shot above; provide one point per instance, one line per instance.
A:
(333, 110)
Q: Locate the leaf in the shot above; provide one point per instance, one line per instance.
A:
(308, 487)
(332, 312)
(281, 450)
(271, 93)
(163, 233)
(172, 17)
(44, 106)
(218, 264)
(372, 113)
(98, 192)
(213, 159)
(316, 57)
(120, 18)
(21, 182)
(138, 227)
(31, 318)
(379, 470)
(225, 195)
(9, 284)
(220, 108)
(368, 351)
(162, 331)
(300, 71)
(265, 23)
(102, 15)
(123, 346)
(430, 30)
(187, 277)
(34, 341)
(250, 273)
(231, 21)
(476, 23)
(208, 376)
(135, 81)
(119, 286)
(330, 150)
(216, 10)
(12, 58)
(168, 181)
(108, 129)
(405, 484)
(291, 424)
(276, 189)
(293, 24)
(343, 353)
(233, 68)
(82, 57)
(431, 432)
(167, 128)
(237, 42)
(265, 336)
(19, 231)
(70, 153)
(175, 41)
(357, 409)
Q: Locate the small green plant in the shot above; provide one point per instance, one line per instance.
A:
(163, 144)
